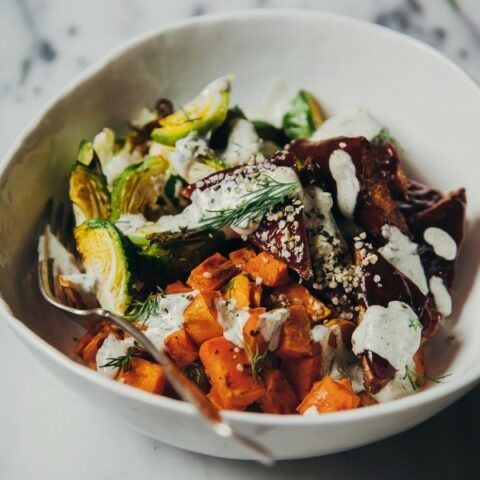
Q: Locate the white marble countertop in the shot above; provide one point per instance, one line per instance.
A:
(45, 430)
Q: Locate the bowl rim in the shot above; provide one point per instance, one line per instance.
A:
(422, 398)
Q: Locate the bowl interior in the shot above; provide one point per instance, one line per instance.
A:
(428, 104)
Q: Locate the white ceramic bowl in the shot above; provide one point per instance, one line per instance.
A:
(429, 104)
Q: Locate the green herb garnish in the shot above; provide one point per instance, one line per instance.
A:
(123, 362)
(195, 373)
(416, 379)
(141, 311)
(386, 136)
(255, 204)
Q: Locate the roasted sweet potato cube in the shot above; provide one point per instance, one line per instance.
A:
(242, 256)
(215, 398)
(200, 318)
(253, 340)
(145, 375)
(295, 341)
(346, 328)
(212, 273)
(90, 348)
(329, 395)
(295, 294)
(245, 292)
(181, 348)
(268, 269)
(177, 287)
(419, 361)
(230, 374)
(301, 373)
(279, 396)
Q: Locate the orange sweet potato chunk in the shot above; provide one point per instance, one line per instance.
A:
(245, 292)
(242, 256)
(301, 373)
(177, 287)
(419, 361)
(181, 348)
(271, 271)
(329, 395)
(212, 273)
(145, 375)
(295, 341)
(230, 374)
(253, 340)
(89, 345)
(200, 318)
(279, 396)
(295, 294)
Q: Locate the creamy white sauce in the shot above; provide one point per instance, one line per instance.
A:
(130, 223)
(119, 162)
(393, 333)
(321, 334)
(112, 347)
(168, 318)
(442, 298)
(83, 283)
(397, 387)
(442, 243)
(228, 194)
(271, 326)
(232, 320)
(311, 412)
(402, 253)
(64, 262)
(186, 154)
(243, 143)
(357, 123)
(344, 173)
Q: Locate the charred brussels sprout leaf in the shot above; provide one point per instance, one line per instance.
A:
(219, 138)
(304, 116)
(204, 113)
(141, 189)
(106, 257)
(88, 187)
(176, 253)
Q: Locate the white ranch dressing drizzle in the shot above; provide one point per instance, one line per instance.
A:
(184, 157)
(228, 194)
(168, 318)
(399, 386)
(321, 334)
(271, 325)
(112, 347)
(356, 123)
(232, 320)
(344, 173)
(243, 143)
(402, 253)
(130, 223)
(393, 333)
(442, 243)
(442, 298)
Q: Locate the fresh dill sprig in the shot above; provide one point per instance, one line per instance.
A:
(195, 373)
(123, 362)
(259, 362)
(141, 311)
(416, 379)
(254, 204)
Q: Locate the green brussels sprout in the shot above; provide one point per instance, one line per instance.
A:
(141, 189)
(204, 113)
(304, 116)
(219, 138)
(106, 257)
(88, 187)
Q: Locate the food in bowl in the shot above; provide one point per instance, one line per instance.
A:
(289, 268)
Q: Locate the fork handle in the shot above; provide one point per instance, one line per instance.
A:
(189, 391)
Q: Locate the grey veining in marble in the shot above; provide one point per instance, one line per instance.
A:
(44, 432)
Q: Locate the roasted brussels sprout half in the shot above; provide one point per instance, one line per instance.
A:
(106, 257)
(204, 113)
(304, 116)
(141, 189)
(88, 187)
(219, 138)
(175, 253)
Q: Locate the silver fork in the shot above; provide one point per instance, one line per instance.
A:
(182, 385)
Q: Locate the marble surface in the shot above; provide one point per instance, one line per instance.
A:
(46, 431)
